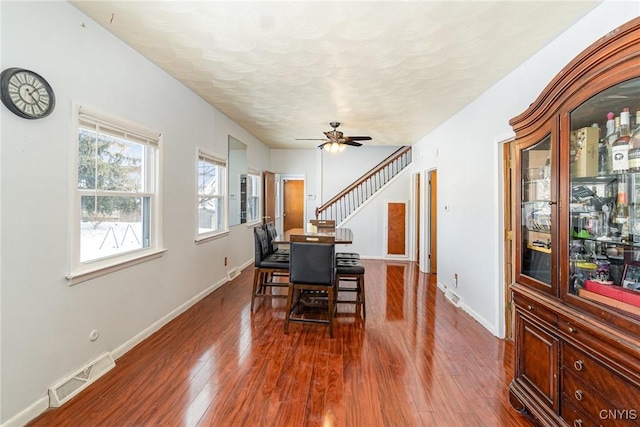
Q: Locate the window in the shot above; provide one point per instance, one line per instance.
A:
(253, 196)
(116, 192)
(211, 194)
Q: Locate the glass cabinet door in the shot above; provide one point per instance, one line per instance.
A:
(536, 209)
(604, 211)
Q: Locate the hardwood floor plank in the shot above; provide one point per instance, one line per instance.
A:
(415, 361)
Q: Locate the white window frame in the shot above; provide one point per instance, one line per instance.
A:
(90, 118)
(203, 154)
(257, 175)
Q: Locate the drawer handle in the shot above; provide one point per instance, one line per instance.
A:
(578, 365)
(578, 395)
(577, 423)
(572, 329)
(530, 307)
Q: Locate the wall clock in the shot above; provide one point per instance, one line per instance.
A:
(26, 93)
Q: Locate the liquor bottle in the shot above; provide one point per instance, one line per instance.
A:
(602, 152)
(634, 147)
(621, 212)
(608, 141)
(620, 148)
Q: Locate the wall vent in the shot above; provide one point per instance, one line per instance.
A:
(78, 381)
(233, 273)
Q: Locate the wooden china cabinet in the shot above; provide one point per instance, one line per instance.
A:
(577, 291)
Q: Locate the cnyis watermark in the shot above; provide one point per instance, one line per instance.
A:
(618, 414)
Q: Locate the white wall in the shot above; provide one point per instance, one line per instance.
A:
(45, 322)
(466, 151)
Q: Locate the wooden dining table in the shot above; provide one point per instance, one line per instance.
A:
(342, 235)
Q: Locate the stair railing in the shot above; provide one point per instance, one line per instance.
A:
(353, 196)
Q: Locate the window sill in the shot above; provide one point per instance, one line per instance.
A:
(210, 237)
(84, 275)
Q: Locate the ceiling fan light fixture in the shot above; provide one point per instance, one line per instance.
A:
(341, 148)
(335, 147)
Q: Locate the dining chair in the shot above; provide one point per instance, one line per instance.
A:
(326, 224)
(273, 233)
(349, 268)
(312, 280)
(267, 266)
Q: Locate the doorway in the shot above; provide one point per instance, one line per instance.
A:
(508, 151)
(269, 196)
(416, 206)
(293, 204)
(432, 181)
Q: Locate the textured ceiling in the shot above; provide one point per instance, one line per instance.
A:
(284, 70)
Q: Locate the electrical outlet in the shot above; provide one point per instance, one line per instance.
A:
(225, 261)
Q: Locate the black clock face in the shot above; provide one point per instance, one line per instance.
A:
(26, 94)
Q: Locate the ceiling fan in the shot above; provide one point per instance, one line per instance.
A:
(336, 141)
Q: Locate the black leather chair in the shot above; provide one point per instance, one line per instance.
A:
(268, 265)
(312, 279)
(273, 233)
(349, 268)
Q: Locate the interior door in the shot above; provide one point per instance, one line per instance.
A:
(293, 200)
(396, 228)
(508, 156)
(433, 222)
(416, 195)
(269, 196)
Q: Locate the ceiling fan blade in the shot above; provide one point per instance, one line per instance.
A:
(358, 138)
(353, 143)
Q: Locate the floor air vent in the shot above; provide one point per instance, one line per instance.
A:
(233, 273)
(455, 299)
(70, 386)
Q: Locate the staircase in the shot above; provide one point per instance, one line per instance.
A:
(349, 199)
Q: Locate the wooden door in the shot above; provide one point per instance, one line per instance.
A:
(433, 222)
(396, 228)
(269, 196)
(508, 155)
(293, 201)
(417, 198)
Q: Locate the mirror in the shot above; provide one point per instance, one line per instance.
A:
(237, 182)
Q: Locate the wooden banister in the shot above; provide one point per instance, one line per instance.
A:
(345, 202)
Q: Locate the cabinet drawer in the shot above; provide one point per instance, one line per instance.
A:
(588, 401)
(532, 307)
(611, 386)
(574, 417)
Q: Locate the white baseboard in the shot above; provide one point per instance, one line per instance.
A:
(22, 418)
(42, 404)
(463, 306)
(137, 339)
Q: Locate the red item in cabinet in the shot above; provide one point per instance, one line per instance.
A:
(612, 291)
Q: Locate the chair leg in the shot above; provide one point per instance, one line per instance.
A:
(362, 297)
(256, 277)
(331, 309)
(288, 314)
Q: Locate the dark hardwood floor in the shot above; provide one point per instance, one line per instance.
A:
(416, 361)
